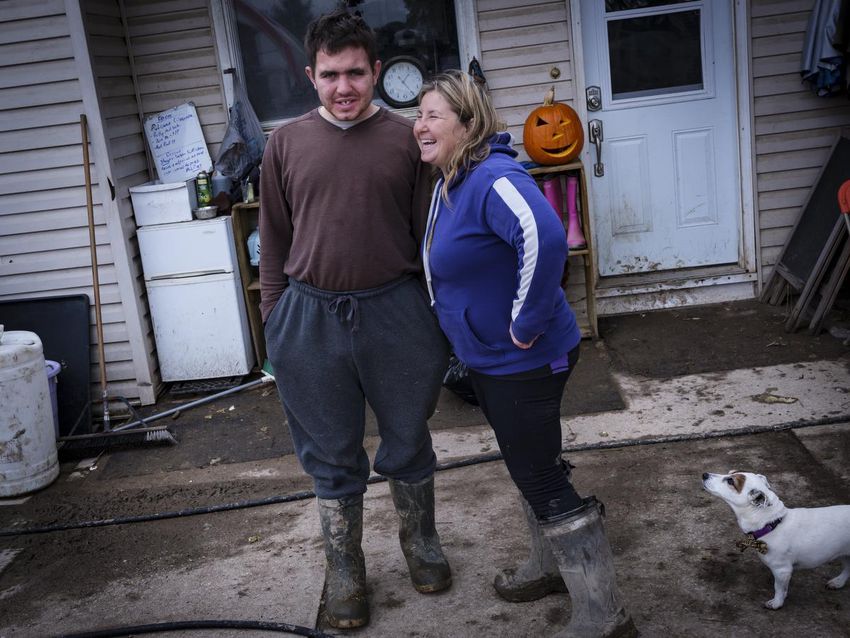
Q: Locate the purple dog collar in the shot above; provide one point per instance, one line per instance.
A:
(767, 529)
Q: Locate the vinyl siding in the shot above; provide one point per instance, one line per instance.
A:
(794, 129)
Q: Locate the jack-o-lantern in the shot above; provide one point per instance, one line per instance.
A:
(553, 134)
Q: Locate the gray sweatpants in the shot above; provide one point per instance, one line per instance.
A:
(331, 352)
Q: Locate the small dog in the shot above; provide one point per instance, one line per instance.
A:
(785, 537)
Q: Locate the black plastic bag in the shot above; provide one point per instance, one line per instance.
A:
(457, 380)
(243, 143)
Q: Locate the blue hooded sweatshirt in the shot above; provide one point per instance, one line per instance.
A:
(493, 259)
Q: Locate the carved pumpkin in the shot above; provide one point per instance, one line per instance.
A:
(553, 133)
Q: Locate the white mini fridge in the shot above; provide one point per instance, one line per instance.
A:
(196, 301)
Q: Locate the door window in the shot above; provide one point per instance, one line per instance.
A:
(656, 51)
(271, 35)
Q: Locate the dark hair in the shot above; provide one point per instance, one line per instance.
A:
(338, 30)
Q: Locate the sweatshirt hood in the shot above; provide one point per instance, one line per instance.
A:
(502, 143)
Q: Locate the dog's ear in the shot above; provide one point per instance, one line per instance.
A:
(758, 498)
(766, 482)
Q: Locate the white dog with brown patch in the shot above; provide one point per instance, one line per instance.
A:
(785, 537)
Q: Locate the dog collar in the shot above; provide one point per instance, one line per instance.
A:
(767, 529)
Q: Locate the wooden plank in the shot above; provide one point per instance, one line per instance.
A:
(193, 79)
(55, 281)
(184, 41)
(548, 13)
(785, 198)
(790, 43)
(834, 117)
(40, 138)
(53, 199)
(41, 221)
(530, 94)
(139, 8)
(33, 30)
(104, 26)
(765, 8)
(776, 65)
(29, 52)
(40, 159)
(534, 75)
(779, 84)
(176, 61)
(793, 140)
(783, 218)
(781, 180)
(38, 180)
(556, 36)
(496, 5)
(23, 97)
(167, 22)
(13, 246)
(31, 263)
(830, 288)
(207, 97)
(23, 75)
(23, 9)
(522, 56)
(804, 101)
(779, 25)
(791, 160)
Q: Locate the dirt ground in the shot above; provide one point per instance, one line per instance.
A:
(674, 544)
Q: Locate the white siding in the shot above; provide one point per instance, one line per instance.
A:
(794, 129)
(44, 237)
(521, 42)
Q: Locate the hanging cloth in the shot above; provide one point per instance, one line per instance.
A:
(243, 143)
(823, 65)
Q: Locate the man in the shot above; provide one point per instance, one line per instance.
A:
(343, 201)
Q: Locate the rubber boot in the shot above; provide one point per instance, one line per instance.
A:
(538, 576)
(346, 604)
(420, 544)
(584, 557)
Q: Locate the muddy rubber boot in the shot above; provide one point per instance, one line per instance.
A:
(584, 557)
(420, 544)
(346, 604)
(538, 576)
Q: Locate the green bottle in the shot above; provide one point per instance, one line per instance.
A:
(203, 189)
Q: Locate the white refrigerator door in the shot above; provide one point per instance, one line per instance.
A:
(187, 249)
(201, 327)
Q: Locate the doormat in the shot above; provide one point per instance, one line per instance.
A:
(204, 386)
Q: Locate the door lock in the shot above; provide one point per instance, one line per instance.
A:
(593, 95)
(594, 130)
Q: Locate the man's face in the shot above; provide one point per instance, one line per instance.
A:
(345, 81)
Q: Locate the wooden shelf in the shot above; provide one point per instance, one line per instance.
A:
(245, 219)
(590, 328)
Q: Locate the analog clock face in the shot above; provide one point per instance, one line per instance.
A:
(401, 82)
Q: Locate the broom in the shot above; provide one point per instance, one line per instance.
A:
(109, 437)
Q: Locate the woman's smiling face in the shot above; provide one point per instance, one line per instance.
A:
(437, 130)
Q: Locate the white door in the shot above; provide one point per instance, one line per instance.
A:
(665, 176)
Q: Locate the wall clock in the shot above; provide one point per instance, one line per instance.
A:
(401, 80)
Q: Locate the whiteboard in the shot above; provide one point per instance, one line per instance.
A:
(177, 143)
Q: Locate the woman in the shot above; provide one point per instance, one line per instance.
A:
(494, 253)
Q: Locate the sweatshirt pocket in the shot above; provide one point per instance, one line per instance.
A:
(467, 345)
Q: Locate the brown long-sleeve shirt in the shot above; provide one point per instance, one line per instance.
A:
(340, 209)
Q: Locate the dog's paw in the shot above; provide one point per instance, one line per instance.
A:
(774, 604)
(836, 583)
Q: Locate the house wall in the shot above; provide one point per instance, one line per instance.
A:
(794, 129)
(44, 236)
(116, 62)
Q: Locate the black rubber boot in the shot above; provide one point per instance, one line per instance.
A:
(346, 604)
(584, 557)
(538, 576)
(420, 544)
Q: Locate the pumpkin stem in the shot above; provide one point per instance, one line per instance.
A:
(549, 100)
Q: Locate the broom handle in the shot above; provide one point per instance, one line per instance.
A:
(95, 278)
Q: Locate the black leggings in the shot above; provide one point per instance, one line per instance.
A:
(525, 415)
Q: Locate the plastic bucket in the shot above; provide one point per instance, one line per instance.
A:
(53, 370)
(28, 459)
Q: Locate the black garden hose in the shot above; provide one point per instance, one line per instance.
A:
(473, 460)
(253, 625)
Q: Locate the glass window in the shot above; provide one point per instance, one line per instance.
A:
(271, 36)
(657, 54)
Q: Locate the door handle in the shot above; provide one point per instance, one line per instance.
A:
(594, 129)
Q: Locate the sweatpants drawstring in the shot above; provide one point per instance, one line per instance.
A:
(352, 316)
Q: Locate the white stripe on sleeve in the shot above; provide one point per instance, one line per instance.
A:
(520, 208)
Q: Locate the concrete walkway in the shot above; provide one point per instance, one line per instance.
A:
(678, 567)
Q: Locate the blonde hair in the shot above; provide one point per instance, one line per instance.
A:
(470, 102)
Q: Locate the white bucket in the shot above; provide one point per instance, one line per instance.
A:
(28, 459)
